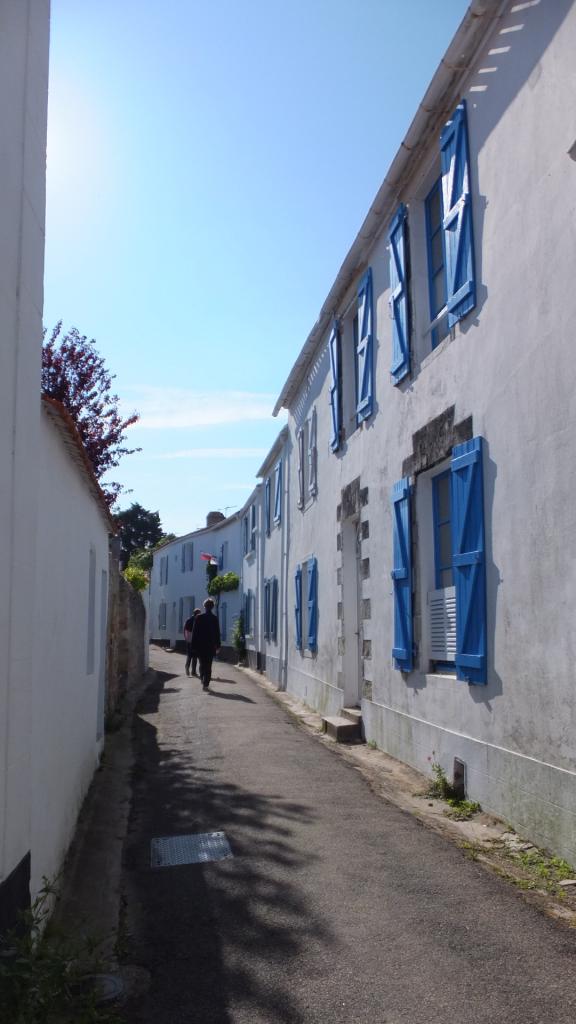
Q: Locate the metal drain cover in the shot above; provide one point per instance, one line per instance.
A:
(170, 851)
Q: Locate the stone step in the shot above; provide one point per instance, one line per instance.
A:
(354, 714)
(342, 729)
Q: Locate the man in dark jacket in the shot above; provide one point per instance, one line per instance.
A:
(191, 656)
(206, 641)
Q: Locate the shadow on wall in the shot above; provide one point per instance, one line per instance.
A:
(182, 916)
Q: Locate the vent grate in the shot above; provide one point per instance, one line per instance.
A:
(172, 851)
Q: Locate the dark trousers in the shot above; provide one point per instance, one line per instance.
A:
(205, 668)
(191, 658)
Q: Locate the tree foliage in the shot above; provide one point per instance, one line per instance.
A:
(137, 578)
(75, 374)
(139, 530)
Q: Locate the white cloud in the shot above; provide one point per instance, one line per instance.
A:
(180, 408)
(215, 453)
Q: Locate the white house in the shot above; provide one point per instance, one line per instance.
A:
(431, 435)
(251, 518)
(178, 581)
(273, 548)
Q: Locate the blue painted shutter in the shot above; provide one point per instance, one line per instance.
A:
(274, 622)
(313, 455)
(221, 558)
(267, 509)
(278, 493)
(312, 603)
(298, 607)
(300, 449)
(468, 560)
(253, 528)
(223, 620)
(402, 576)
(191, 562)
(335, 402)
(183, 558)
(457, 224)
(267, 609)
(399, 296)
(364, 349)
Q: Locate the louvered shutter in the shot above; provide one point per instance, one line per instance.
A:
(468, 560)
(267, 509)
(274, 622)
(300, 451)
(399, 296)
(457, 224)
(183, 558)
(180, 614)
(312, 603)
(298, 607)
(223, 620)
(335, 399)
(364, 349)
(221, 558)
(313, 455)
(253, 527)
(266, 609)
(278, 493)
(402, 576)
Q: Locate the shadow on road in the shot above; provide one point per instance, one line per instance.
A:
(183, 918)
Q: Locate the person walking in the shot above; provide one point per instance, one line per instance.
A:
(206, 641)
(191, 656)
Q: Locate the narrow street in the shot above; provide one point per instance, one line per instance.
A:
(335, 906)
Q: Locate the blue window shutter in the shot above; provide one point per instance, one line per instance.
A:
(191, 566)
(267, 609)
(253, 527)
(399, 296)
(298, 607)
(335, 400)
(180, 614)
(312, 603)
(274, 622)
(364, 349)
(402, 576)
(278, 492)
(221, 558)
(300, 449)
(457, 225)
(468, 560)
(183, 558)
(313, 455)
(223, 620)
(267, 509)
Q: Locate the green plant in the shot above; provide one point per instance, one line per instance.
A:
(372, 744)
(441, 789)
(238, 637)
(44, 977)
(222, 584)
(137, 578)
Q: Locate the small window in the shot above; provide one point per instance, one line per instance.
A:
(245, 535)
(441, 492)
(436, 260)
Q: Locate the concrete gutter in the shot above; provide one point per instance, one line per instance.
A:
(438, 102)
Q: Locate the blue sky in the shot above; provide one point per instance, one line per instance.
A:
(209, 166)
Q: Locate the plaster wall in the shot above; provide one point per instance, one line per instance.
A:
(23, 110)
(509, 366)
(67, 637)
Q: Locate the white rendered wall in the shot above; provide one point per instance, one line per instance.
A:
(511, 367)
(64, 714)
(24, 32)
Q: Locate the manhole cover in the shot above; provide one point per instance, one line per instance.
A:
(170, 851)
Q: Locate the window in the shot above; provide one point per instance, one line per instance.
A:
(223, 556)
(399, 295)
(307, 460)
(187, 560)
(248, 616)
(351, 349)
(163, 570)
(306, 605)
(181, 615)
(245, 534)
(457, 608)
(268, 505)
(349, 373)
(436, 261)
(274, 611)
(162, 615)
(335, 386)
(253, 527)
(278, 493)
(267, 604)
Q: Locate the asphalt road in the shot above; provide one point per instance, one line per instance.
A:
(336, 907)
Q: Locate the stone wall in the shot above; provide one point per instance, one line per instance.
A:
(126, 638)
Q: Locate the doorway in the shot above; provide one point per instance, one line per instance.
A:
(351, 621)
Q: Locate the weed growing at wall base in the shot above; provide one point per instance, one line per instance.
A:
(441, 789)
(44, 977)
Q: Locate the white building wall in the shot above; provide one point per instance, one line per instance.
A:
(23, 111)
(66, 634)
(273, 557)
(510, 366)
